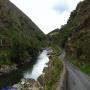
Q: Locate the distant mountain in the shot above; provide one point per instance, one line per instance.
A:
(53, 36)
(20, 38)
(54, 32)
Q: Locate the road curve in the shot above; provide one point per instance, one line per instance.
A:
(76, 80)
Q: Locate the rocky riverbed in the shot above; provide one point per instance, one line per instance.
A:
(28, 84)
(31, 84)
(7, 68)
(42, 82)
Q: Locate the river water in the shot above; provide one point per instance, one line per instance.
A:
(38, 67)
(31, 70)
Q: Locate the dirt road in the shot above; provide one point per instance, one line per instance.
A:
(76, 80)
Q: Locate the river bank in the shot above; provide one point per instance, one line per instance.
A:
(28, 70)
(49, 78)
(7, 68)
(30, 80)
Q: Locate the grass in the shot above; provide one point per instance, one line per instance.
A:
(85, 67)
(52, 75)
(56, 49)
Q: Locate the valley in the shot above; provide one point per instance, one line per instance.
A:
(33, 60)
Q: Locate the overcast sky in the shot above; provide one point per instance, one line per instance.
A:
(47, 14)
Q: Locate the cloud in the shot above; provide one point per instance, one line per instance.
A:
(61, 7)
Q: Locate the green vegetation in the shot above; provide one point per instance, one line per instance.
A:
(78, 47)
(84, 67)
(52, 75)
(53, 33)
(4, 57)
(74, 37)
(56, 49)
(20, 38)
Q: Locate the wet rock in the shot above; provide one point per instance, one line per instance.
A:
(41, 80)
(28, 84)
(7, 68)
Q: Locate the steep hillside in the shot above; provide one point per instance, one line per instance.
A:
(54, 32)
(75, 36)
(20, 38)
(78, 43)
(53, 36)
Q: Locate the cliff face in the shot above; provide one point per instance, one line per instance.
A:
(18, 34)
(78, 43)
(75, 35)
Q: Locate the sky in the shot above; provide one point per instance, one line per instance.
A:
(47, 14)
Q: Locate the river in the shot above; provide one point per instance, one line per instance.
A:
(31, 70)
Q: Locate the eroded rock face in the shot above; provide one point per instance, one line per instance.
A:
(28, 84)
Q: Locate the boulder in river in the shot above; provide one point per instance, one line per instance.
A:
(28, 84)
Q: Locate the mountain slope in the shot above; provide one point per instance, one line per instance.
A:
(75, 36)
(78, 44)
(20, 38)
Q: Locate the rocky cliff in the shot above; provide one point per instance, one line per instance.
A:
(75, 36)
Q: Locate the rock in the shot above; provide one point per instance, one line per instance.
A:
(28, 84)
(22, 81)
(17, 86)
(7, 68)
(41, 80)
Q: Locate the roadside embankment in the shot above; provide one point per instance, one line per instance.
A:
(62, 82)
(51, 74)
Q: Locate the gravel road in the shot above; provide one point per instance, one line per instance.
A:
(76, 80)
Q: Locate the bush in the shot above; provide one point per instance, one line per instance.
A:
(4, 57)
(52, 75)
